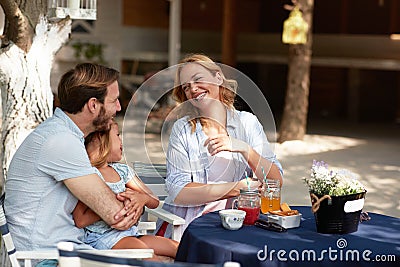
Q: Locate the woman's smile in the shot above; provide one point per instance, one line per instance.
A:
(200, 96)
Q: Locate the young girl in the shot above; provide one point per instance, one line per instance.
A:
(105, 150)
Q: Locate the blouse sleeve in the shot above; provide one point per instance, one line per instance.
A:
(258, 139)
(178, 161)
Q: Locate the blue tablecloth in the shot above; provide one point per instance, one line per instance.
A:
(376, 243)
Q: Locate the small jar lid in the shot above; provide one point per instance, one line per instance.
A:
(247, 191)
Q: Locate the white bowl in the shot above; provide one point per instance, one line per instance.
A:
(287, 222)
(232, 219)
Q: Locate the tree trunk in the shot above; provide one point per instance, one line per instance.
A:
(229, 33)
(294, 120)
(25, 65)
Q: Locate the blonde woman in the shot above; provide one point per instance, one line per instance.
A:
(214, 146)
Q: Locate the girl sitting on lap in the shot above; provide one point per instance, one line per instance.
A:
(105, 150)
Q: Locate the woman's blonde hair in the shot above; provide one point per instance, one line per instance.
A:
(104, 144)
(227, 92)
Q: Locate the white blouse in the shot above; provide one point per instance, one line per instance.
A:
(188, 160)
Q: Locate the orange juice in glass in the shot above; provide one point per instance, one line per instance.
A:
(271, 196)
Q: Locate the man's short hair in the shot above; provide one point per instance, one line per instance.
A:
(83, 82)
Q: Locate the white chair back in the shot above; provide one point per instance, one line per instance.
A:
(153, 175)
(7, 242)
(122, 258)
(68, 257)
(90, 260)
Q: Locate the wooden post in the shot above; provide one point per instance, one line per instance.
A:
(397, 119)
(344, 18)
(174, 48)
(229, 33)
(394, 8)
(395, 28)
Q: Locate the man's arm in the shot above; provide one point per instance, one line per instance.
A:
(93, 192)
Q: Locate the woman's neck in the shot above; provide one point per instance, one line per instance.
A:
(214, 122)
(216, 114)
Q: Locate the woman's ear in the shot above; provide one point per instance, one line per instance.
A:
(220, 80)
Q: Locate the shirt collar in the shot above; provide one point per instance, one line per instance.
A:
(232, 119)
(58, 113)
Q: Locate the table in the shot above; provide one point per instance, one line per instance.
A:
(206, 241)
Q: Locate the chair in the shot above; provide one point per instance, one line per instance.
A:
(69, 257)
(89, 258)
(153, 175)
(11, 257)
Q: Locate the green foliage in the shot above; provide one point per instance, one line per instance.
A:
(89, 51)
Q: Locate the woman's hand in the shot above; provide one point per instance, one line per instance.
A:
(223, 142)
(250, 182)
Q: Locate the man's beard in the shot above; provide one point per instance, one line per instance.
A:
(101, 123)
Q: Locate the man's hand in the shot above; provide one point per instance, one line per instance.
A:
(134, 203)
(125, 223)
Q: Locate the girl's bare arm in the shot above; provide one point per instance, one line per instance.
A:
(84, 216)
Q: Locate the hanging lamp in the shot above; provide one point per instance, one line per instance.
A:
(295, 28)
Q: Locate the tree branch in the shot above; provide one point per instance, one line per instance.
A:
(17, 28)
(62, 22)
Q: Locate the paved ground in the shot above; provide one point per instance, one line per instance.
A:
(370, 150)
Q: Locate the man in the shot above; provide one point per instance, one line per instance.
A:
(51, 170)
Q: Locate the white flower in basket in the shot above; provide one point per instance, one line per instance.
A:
(324, 181)
(344, 194)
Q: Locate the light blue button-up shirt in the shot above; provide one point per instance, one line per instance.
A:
(188, 160)
(38, 205)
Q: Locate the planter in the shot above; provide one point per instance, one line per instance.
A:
(337, 214)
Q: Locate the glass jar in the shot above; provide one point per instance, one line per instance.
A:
(249, 201)
(271, 196)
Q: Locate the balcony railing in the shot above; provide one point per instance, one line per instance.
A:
(76, 9)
